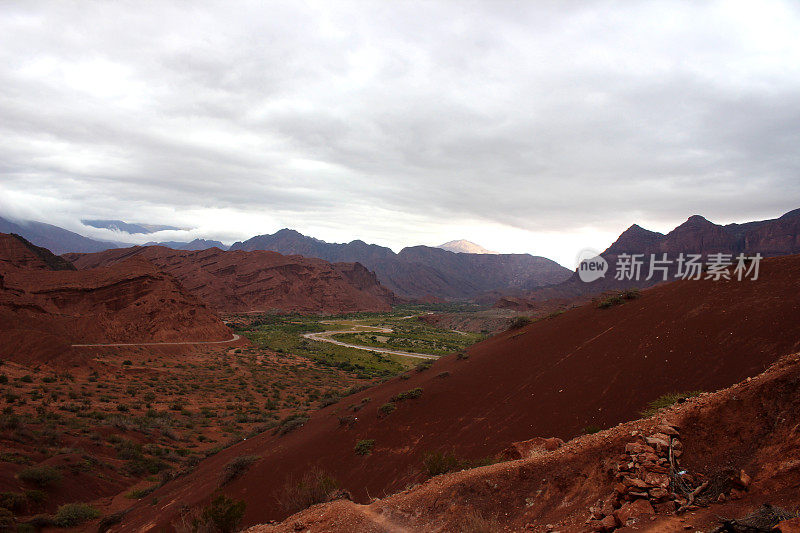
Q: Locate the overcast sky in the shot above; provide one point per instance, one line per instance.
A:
(536, 126)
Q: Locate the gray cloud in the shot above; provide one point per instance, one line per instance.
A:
(386, 121)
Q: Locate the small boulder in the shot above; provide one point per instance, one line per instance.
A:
(610, 523)
(633, 510)
(741, 480)
(529, 448)
(667, 430)
(658, 493)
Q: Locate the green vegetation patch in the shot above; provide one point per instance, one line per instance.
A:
(408, 395)
(666, 400)
(364, 447)
(619, 298)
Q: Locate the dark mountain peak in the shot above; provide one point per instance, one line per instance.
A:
(635, 239)
(795, 213)
(697, 221)
(286, 232)
(196, 244)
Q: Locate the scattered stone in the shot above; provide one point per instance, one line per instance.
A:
(529, 448)
(631, 511)
(741, 480)
(667, 430)
(609, 523)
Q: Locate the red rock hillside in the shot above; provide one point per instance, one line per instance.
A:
(738, 449)
(588, 367)
(44, 311)
(259, 281)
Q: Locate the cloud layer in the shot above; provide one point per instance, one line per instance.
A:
(527, 126)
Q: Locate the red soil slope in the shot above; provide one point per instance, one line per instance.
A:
(751, 427)
(16, 252)
(259, 281)
(43, 311)
(588, 366)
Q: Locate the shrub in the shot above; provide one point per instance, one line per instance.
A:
(137, 494)
(619, 298)
(74, 514)
(3, 379)
(6, 520)
(13, 501)
(26, 379)
(139, 466)
(610, 302)
(386, 409)
(290, 424)
(425, 365)
(407, 395)
(236, 467)
(630, 294)
(35, 496)
(314, 487)
(41, 521)
(665, 400)
(364, 447)
(43, 476)
(591, 429)
(443, 374)
(224, 513)
(329, 399)
(463, 356)
(519, 322)
(437, 463)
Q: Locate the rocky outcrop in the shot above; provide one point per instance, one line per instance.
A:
(17, 252)
(43, 312)
(238, 281)
(648, 478)
(530, 448)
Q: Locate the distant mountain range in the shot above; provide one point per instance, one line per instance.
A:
(454, 271)
(463, 246)
(57, 240)
(132, 228)
(61, 241)
(772, 237)
(422, 272)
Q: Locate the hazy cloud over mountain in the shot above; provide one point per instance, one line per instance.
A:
(525, 126)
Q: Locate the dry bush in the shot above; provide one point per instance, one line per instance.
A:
(315, 486)
(222, 515)
(474, 522)
(236, 467)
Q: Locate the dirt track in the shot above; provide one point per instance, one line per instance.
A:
(325, 336)
(233, 339)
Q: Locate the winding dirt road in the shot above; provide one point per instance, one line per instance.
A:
(233, 339)
(325, 336)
